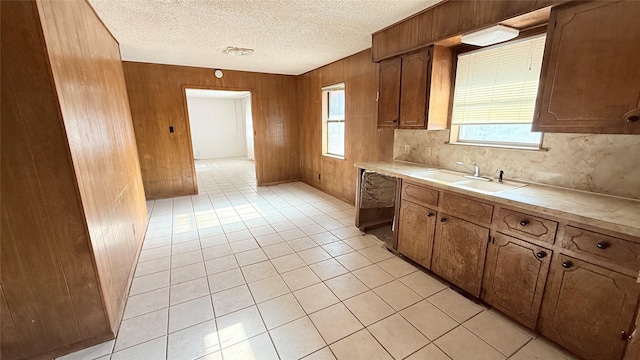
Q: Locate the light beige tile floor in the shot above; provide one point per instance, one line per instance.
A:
(280, 272)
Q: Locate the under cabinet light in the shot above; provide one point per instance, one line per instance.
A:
(490, 36)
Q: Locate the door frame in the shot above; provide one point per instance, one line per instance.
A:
(256, 154)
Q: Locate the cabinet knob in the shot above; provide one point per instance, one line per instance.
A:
(603, 245)
(524, 222)
(430, 214)
(567, 264)
(541, 254)
(625, 336)
(443, 219)
(394, 121)
(633, 118)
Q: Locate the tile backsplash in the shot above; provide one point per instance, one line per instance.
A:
(607, 164)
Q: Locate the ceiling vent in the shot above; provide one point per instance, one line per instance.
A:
(236, 51)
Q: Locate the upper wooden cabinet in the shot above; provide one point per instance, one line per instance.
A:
(590, 80)
(389, 93)
(415, 90)
(448, 19)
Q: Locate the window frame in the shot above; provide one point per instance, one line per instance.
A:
(326, 91)
(454, 131)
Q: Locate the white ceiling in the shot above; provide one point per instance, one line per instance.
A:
(289, 36)
(216, 94)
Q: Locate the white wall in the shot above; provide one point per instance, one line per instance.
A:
(217, 127)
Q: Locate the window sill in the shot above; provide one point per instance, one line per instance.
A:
(334, 156)
(498, 146)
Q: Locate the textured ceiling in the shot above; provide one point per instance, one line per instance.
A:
(289, 36)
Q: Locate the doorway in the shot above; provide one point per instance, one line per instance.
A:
(221, 124)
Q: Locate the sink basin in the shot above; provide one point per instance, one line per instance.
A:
(487, 187)
(441, 176)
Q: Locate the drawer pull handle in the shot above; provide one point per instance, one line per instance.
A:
(541, 254)
(625, 336)
(567, 264)
(443, 219)
(603, 245)
(430, 214)
(524, 222)
(633, 118)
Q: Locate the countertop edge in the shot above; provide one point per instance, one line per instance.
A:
(502, 198)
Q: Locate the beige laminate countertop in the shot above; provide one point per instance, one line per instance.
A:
(606, 212)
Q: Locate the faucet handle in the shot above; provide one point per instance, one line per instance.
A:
(500, 173)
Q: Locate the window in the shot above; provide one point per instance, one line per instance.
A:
(495, 94)
(333, 101)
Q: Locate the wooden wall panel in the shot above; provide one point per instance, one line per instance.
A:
(49, 285)
(89, 79)
(156, 96)
(364, 141)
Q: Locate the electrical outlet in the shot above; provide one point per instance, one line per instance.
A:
(427, 151)
(407, 148)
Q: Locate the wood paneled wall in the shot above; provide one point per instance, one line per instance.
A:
(47, 277)
(71, 186)
(157, 99)
(363, 140)
(88, 74)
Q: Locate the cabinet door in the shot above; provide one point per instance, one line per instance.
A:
(389, 94)
(459, 250)
(413, 90)
(514, 277)
(590, 81)
(586, 308)
(415, 233)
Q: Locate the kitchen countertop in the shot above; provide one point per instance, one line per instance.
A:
(603, 211)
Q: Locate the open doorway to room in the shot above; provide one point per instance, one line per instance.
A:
(221, 126)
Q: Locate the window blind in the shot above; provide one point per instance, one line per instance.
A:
(498, 84)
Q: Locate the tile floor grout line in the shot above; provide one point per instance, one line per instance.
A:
(262, 212)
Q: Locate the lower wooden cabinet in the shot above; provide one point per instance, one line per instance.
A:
(515, 274)
(459, 250)
(415, 232)
(577, 290)
(588, 309)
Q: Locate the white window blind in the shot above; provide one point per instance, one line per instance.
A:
(498, 84)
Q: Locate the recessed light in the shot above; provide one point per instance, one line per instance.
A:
(236, 51)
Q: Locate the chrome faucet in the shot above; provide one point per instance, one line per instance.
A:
(475, 171)
(476, 168)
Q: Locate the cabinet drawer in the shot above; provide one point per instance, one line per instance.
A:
(419, 194)
(466, 208)
(604, 247)
(526, 226)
